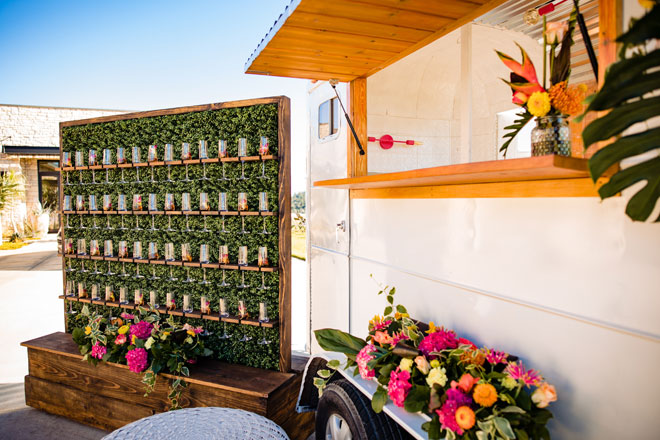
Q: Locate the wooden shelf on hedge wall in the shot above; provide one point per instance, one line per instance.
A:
(197, 314)
(174, 263)
(217, 213)
(172, 162)
(545, 176)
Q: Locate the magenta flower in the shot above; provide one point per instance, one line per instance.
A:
(517, 371)
(396, 337)
(382, 325)
(496, 357)
(127, 316)
(437, 341)
(399, 386)
(136, 360)
(362, 358)
(98, 351)
(447, 413)
(141, 330)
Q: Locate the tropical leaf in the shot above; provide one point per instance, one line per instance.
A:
(379, 399)
(630, 96)
(561, 68)
(339, 341)
(518, 124)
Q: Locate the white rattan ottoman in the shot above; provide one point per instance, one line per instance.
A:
(202, 424)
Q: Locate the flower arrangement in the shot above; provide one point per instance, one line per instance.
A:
(535, 97)
(144, 343)
(467, 391)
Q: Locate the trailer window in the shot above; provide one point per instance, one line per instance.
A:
(328, 118)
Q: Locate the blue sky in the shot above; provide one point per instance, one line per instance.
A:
(140, 55)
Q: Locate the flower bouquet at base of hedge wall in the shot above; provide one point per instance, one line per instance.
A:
(144, 343)
(469, 392)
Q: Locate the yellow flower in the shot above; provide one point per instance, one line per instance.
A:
(191, 332)
(88, 330)
(123, 329)
(647, 4)
(437, 375)
(398, 315)
(485, 394)
(465, 417)
(432, 328)
(406, 364)
(133, 338)
(435, 363)
(509, 382)
(539, 104)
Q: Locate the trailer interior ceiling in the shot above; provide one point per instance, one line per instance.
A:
(348, 39)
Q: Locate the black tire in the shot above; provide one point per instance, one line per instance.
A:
(342, 399)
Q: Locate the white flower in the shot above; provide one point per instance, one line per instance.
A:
(437, 375)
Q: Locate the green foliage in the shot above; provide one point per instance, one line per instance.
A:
(12, 187)
(298, 202)
(229, 124)
(513, 129)
(339, 341)
(629, 96)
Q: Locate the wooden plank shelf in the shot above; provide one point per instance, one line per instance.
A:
(544, 176)
(250, 268)
(172, 162)
(60, 383)
(211, 213)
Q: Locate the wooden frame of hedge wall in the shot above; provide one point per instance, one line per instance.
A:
(284, 198)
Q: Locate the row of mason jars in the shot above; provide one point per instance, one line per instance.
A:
(170, 203)
(153, 254)
(138, 299)
(152, 153)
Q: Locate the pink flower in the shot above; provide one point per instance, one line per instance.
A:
(447, 413)
(198, 330)
(463, 341)
(136, 360)
(98, 351)
(437, 341)
(127, 316)
(554, 31)
(141, 330)
(399, 386)
(191, 361)
(544, 395)
(362, 358)
(517, 371)
(120, 340)
(496, 357)
(396, 337)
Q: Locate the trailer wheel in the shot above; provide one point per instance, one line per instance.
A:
(344, 413)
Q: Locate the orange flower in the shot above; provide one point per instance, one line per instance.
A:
(567, 100)
(465, 383)
(485, 394)
(465, 417)
(382, 337)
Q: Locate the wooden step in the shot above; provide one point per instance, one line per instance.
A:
(109, 396)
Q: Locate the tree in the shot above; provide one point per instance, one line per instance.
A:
(11, 190)
(298, 202)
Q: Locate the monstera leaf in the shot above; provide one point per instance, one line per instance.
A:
(631, 95)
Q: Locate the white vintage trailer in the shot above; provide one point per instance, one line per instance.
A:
(535, 265)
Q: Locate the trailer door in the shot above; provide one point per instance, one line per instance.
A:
(329, 212)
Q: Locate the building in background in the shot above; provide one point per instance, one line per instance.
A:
(30, 147)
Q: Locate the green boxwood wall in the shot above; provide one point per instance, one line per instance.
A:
(229, 124)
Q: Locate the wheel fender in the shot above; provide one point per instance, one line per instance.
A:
(308, 398)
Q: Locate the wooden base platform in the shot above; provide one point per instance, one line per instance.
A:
(108, 396)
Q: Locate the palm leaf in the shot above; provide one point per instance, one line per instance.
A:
(518, 124)
(625, 95)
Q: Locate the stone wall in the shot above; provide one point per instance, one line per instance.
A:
(34, 127)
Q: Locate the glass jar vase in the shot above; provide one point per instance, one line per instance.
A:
(551, 135)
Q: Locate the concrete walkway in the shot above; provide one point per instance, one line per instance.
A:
(30, 281)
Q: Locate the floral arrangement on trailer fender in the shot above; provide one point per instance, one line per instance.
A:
(469, 392)
(142, 342)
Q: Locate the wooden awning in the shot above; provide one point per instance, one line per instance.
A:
(348, 39)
